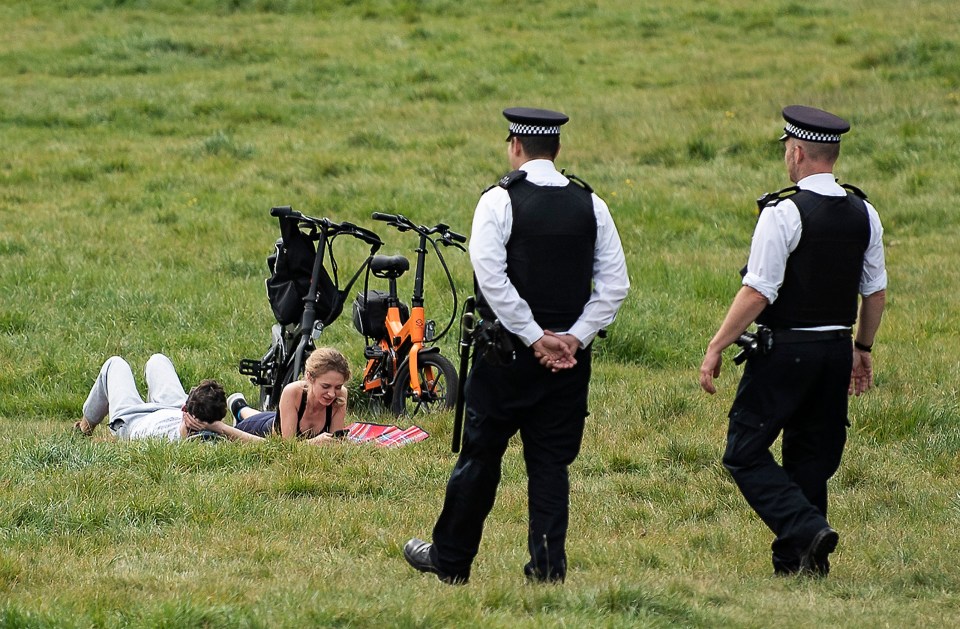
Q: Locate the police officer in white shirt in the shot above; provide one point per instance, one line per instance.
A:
(550, 270)
(816, 247)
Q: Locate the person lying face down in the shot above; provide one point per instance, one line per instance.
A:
(312, 409)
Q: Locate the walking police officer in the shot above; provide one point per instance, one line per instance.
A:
(815, 247)
(550, 271)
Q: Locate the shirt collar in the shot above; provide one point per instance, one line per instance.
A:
(539, 166)
(822, 183)
(543, 172)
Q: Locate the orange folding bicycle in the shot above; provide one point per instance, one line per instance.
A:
(404, 369)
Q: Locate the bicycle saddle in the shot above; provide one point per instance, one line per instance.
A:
(389, 266)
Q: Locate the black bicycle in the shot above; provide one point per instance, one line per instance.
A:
(404, 369)
(304, 297)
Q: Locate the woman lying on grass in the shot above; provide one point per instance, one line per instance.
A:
(312, 409)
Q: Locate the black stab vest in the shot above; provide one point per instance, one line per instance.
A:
(822, 278)
(550, 251)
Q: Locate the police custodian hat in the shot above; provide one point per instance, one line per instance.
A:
(813, 125)
(527, 121)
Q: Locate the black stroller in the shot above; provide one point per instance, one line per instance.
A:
(303, 296)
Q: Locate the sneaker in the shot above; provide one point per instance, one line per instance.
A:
(236, 402)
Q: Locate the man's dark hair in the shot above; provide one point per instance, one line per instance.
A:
(207, 401)
(540, 146)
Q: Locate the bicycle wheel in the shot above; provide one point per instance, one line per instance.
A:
(281, 374)
(289, 375)
(272, 365)
(438, 382)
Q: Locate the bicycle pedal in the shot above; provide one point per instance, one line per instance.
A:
(251, 367)
(257, 371)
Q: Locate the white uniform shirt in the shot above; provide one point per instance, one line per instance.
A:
(778, 233)
(492, 224)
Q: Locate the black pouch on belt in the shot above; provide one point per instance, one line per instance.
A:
(494, 343)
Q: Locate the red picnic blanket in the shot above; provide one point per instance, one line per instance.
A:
(383, 435)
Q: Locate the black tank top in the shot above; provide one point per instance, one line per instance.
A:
(300, 411)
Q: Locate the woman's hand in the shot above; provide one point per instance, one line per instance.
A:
(323, 439)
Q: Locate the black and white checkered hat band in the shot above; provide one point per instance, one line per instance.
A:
(810, 136)
(529, 129)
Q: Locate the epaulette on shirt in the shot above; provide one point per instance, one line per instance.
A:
(580, 182)
(849, 187)
(511, 178)
(519, 175)
(507, 180)
(772, 198)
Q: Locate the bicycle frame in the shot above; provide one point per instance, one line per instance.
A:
(404, 341)
(404, 338)
(412, 334)
(283, 363)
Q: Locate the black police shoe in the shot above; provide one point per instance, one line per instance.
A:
(417, 553)
(816, 560)
(783, 571)
(536, 576)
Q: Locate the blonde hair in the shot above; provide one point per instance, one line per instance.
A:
(324, 359)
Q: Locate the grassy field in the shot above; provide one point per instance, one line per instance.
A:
(143, 145)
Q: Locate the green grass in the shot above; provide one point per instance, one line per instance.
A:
(144, 143)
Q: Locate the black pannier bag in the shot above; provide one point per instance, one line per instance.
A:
(369, 319)
(291, 265)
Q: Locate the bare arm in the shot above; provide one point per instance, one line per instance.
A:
(191, 424)
(338, 420)
(288, 407)
(231, 433)
(871, 311)
(746, 307)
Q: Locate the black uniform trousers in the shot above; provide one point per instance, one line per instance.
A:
(799, 389)
(549, 411)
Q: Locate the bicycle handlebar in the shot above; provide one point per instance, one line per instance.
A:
(328, 226)
(403, 223)
(365, 235)
(283, 211)
(444, 237)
